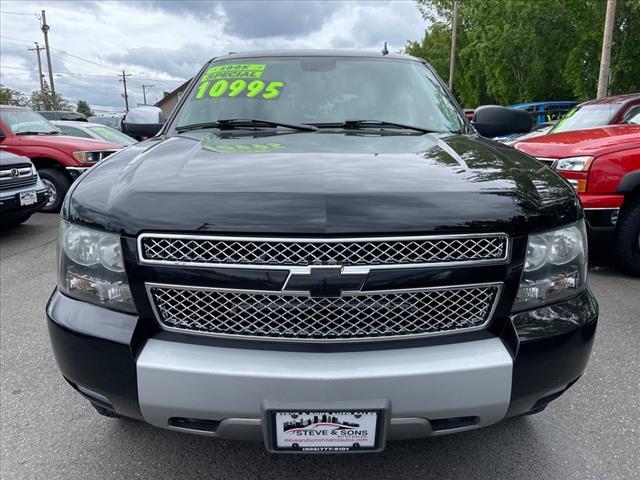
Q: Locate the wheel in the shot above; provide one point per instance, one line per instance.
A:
(57, 184)
(628, 237)
(15, 220)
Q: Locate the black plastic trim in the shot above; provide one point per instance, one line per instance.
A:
(96, 349)
(550, 364)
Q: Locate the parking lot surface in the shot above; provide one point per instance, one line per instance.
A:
(48, 431)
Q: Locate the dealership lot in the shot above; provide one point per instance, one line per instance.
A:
(48, 431)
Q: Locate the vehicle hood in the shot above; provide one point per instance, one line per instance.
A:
(8, 160)
(591, 141)
(67, 143)
(321, 183)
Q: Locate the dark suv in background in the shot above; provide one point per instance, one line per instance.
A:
(319, 251)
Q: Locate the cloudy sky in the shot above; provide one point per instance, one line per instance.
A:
(163, 43)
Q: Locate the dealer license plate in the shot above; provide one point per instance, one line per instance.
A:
(326, 432)
(28, 198)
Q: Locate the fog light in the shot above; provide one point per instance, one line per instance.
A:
(547, 287)
(106, 292)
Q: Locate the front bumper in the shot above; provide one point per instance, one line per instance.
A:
(10, 200)
(222, 391)
(75, 172)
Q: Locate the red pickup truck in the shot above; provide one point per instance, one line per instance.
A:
(59, 159)
(603, 165)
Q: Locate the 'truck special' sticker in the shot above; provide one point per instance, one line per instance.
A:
(239, 81)
(247, 70)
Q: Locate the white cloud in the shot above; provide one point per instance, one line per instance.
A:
(163, 43)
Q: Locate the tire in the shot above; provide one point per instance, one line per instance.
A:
(15, 220)
(57, 184)
(628, 237)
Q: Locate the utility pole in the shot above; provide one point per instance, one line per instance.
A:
(45, 31)
(605, 58)
(124, 83)
(37, 50)
(454, 33)
(145, 89)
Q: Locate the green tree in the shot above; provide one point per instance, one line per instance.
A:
(84, 108)
(47, 101)
(8, 96)
(522, 50)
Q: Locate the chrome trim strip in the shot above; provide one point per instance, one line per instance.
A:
(498, 285)
(346, 269)
(22, 172)
(602, 208)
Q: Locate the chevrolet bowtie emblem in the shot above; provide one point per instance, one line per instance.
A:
(324, 281)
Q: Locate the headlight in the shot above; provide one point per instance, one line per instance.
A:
(573, 164)
(91, 267)
(91, 157)
(555, 267)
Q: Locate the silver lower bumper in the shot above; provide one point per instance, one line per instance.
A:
(471, 379)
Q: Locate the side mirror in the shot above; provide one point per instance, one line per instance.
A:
(143, 121)
(494, 121)
(2, 135)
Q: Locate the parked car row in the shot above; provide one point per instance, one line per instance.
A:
(93, 130)
(603, 165)
(59, 159)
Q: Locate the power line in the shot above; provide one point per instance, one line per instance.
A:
(12, 39)
(76, 74)
(83, 59)
(19, 13)
(25, 49)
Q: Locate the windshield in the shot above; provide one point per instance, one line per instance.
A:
(587, 116)
(113, 121)
(632, 116)
(321, 90)
(112, 135)
(20, 121)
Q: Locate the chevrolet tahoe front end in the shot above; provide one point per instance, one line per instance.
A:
(321, 286)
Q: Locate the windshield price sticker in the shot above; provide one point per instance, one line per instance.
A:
(326, 431)
(240, 88)
(250, 70)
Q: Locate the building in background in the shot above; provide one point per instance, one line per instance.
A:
(170, 99)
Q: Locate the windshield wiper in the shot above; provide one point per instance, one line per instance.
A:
(358, 124)
(52, 132)
(231, 123)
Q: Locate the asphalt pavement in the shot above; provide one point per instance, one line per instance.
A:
(47, 431)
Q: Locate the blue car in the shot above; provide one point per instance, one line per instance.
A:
(547, 111)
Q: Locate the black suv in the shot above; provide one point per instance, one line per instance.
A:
(318, 250)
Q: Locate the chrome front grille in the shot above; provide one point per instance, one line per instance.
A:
(350, 317)
(286, 252)
(17, 177)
